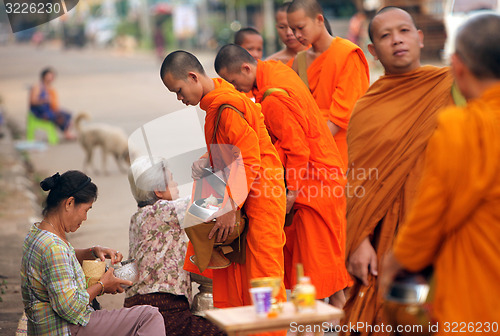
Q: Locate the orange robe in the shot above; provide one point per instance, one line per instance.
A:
(389, 130)
(454, 223)
(265, 204)
(313, 167)
(337, 79)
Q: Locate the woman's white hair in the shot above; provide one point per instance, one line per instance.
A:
(147, 175)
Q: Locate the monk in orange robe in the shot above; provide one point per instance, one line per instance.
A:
(292, 46)
(250, 39)
(336, 69)
(314, 176)
(265, 204)
(387, 135)
(454, 223)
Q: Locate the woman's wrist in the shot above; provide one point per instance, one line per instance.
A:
(92, 251)
(102, 288)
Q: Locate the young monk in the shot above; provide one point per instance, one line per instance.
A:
(250, 39)
(182, 73)
(387, 135)
(454, 223)
(314, 175)
(334, 68)
(292, 46)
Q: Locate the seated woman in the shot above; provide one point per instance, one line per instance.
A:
(159, 245)
(44, 103)
(55, 299)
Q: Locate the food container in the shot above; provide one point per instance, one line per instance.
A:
(128, 270)
(407, 303)
(275, 284)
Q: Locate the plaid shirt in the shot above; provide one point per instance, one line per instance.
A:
(53, 285)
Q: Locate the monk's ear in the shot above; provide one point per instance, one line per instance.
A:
(193, 76)
(320, 18)
(245, 68)
(373, 51)
(420, 38)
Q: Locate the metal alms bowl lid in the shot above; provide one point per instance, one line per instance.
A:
(196, 209)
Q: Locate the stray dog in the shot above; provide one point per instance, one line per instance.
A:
(111, 139)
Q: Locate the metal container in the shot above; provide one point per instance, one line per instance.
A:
(127, 271)
(217, 184)
(407, 304)
(204, 299)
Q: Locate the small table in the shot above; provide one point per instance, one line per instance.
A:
(243, 320)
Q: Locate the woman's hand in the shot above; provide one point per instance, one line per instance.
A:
(104, 253)
(112, 284)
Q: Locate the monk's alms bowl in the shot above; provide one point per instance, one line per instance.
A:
(407, 305)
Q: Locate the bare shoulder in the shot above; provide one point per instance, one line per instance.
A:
(279, 56)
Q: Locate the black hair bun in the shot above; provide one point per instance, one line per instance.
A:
(50, 182)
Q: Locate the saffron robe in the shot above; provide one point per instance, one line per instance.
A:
(454, 223)
(313, 166)
(266, 200)
(337, 79)
(389, 130)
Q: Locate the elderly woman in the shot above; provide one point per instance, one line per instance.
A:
(55, 297)
(159, 245)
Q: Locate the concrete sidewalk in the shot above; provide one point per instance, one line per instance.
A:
(18, 207)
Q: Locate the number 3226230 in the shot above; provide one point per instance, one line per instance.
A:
(464, 327)
(32, 8)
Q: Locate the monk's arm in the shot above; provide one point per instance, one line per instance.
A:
(419, 238)
(246, 152)
(352, 84)
(291, 137)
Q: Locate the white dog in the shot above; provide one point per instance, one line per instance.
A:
(111, 139)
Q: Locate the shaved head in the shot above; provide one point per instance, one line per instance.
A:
(231, 57)
(283, 7)
(478, 45)
(311, 7)
(179, 63)
(382, 11)
(239, 36)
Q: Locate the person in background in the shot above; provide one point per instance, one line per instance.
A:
(56, 300)
(44, 103)
(158, 244)
(335, 69)
(250, 39)
(292, 46)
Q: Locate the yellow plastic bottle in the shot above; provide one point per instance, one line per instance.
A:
(304, 293)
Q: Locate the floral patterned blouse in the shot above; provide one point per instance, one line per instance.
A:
(159, 245)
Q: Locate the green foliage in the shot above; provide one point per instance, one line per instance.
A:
(127, 27)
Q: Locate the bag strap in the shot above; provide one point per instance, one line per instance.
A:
(221, 108)
(302, 66)
(271, 90)
(457, 96)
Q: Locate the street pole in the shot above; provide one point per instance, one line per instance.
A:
(269, 31)
(145, 23)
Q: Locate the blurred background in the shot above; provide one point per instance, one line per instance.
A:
(209, 24)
